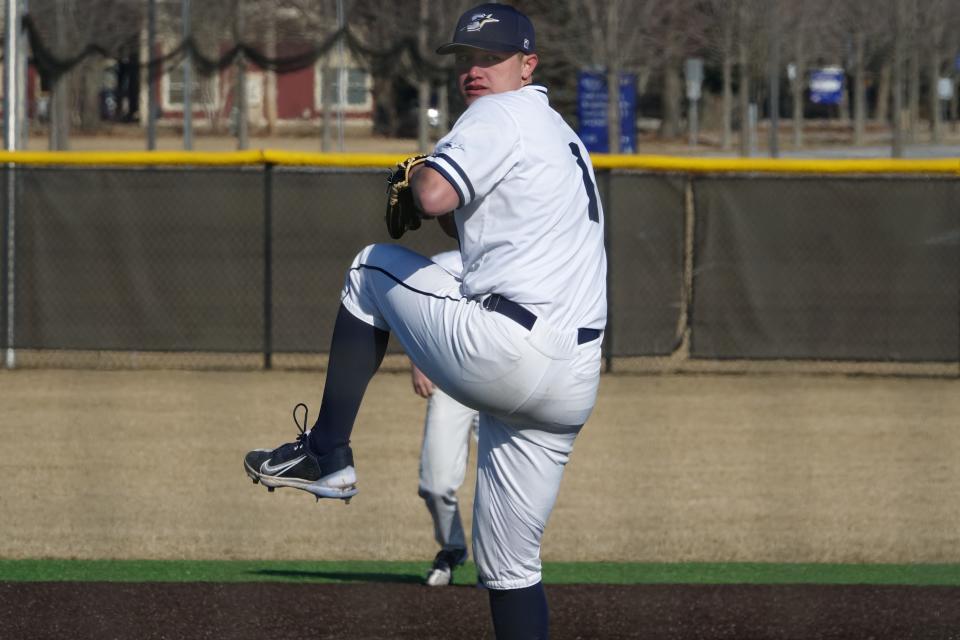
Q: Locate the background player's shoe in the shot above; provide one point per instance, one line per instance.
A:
(294, 465)
(441, 573)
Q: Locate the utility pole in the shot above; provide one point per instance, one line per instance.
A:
(423, 83)
(13, 75)
(241, 101)
(151, 75)
(743, 91)
(341, 74)
(326, 96)
(897, 150)
(59, 137)
(187, 79)
(774, 75)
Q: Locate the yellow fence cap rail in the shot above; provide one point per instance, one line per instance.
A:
(133, 158)
(676, 164)
(776, 165)
(199, 158)
(295, 158)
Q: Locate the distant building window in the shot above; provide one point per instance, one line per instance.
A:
(357, 90)
(205, 89)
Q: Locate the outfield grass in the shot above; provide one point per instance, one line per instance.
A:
(553, 573)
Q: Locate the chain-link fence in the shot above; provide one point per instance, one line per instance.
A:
(703, 268)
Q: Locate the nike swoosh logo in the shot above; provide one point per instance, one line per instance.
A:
(280, 468)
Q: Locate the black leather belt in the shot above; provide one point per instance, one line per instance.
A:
(527, 319)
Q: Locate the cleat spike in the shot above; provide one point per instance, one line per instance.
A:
(270, 489)
(346, 501)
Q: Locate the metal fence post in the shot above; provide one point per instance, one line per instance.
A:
(267, 265)
(685, 330)
(6, 271)
(14, 94)
(603, 184)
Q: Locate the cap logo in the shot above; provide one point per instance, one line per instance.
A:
(477, 21)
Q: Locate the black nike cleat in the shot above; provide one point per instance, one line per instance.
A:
(294, 465)
(441, 573)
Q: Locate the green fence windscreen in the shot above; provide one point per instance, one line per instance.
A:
(827, 268)
(248, 260)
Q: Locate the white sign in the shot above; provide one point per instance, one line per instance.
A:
(254, 84)
(945, 88)
(693, 70)
(826, 83)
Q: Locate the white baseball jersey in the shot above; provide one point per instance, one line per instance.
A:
(535, 241)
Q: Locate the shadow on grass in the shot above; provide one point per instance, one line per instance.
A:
(340, 576)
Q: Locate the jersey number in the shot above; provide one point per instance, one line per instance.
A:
(594, 213)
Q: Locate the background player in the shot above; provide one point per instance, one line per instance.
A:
(518, 337)
(447, 428)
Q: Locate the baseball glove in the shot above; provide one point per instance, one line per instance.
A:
(402, 214)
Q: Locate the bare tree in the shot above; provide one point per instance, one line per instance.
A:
(258, 25)
(261, 28)
(400, 51)
(953, 46)
(859, 21)
(385, 73)
(611, 36)
(288, 28)
(913, 53)
(799, 18)
(680, 30)
(722, 24)
(73, 31)
(60, 90)
(215, 26)
(866, 25)
(745, 34)
(933, 18)
(747, 45)
(899, 39)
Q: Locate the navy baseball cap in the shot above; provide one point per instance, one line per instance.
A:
(492, 27)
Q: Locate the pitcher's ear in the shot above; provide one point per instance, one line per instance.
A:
(527, 65)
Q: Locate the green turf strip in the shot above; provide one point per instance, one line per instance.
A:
(412, 572)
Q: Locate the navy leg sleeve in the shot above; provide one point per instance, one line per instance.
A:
(356, 351)
(520, 614)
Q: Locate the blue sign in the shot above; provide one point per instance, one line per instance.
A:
(628, 113)
(592, 112)
(826, 85)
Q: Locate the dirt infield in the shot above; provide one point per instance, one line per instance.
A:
(147, 464)
(387, 611)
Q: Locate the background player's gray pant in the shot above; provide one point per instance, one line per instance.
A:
(447, 428)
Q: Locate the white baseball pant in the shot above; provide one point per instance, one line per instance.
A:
(534, 390)
(447, 427)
